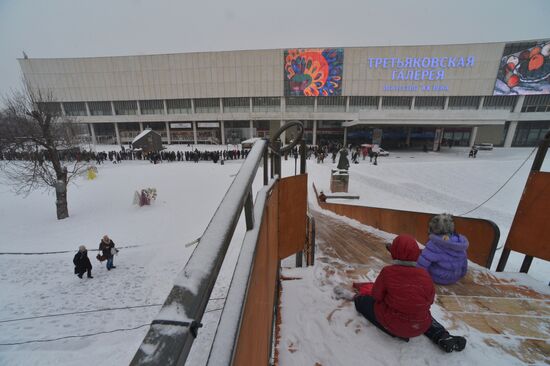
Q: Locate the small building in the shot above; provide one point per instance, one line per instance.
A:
(148, 141)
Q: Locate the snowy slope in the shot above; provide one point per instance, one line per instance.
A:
(188, 195)
(31, 285)
(447, 181)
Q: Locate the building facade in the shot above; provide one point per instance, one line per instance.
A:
(396, 96)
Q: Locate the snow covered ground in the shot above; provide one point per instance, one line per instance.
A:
(155, 237)
(446, 181)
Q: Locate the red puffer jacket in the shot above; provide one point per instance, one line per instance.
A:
(404, 293)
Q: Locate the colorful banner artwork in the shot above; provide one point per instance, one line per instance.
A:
(525, 71)
(314, 72)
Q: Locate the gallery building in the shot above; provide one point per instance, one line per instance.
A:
(396, 96)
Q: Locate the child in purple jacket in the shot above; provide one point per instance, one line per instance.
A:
(444, 256)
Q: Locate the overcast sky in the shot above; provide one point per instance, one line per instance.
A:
(73, 28)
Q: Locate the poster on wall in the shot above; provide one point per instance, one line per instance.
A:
(313, 72)
(377, 136)
(208, 124)
(181, 125)
(525, 71)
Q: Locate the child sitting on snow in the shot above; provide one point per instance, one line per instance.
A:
(444, 256)
(400, 299)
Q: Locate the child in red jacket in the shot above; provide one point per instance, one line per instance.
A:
(401, 298)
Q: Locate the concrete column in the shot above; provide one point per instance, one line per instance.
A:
(315, 105)
(283, 105)
(251, 127)
(473, 136)
(314, 141)
(519, 104)
(167, 129)
(117, 133)
(113, 108)
(510, 134)
(446, 106)
(379, 103)
(412, 103)
(222, 124)
(92, 131)
(138, 108)
(251, 110)
(347, 104)
(480, 106)
(193, 106)
(165, 106)
(87, 109)
(140, 126)
(346, 137)
(194, 131)
(409, 131)
(62, 109)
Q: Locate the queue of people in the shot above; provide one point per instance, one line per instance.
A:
(117, 157)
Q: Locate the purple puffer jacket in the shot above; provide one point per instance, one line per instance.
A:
(445, 260)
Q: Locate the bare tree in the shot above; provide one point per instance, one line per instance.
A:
(38, 139)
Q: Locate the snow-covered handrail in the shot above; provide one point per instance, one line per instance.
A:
(227, 332)
(173, 331)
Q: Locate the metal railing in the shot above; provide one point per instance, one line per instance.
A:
(173, 331)
(225, 340)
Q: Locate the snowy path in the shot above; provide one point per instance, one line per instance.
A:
(36, 285)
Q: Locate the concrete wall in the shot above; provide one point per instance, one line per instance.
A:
(184, 75)
(251, 73)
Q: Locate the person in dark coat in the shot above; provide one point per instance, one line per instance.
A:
(107, 247)
(444, 256)
(401, 297)
(82, 263)
(343, 162)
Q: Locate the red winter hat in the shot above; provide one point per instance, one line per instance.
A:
(405, 248)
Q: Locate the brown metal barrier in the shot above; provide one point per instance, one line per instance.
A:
(530, 229)
(482, 234)
(254, 339)
(309, 249)
(282, 233)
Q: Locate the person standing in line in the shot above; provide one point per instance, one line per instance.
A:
(107, 247)
(376, 152)
(82, 262)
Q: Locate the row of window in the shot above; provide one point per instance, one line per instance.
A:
(532, 103)
(527, 133)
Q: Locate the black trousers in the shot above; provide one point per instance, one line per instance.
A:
(365, 305)
(89, 273)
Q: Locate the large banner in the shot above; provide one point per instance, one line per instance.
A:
(313, 72)
(525, 71)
